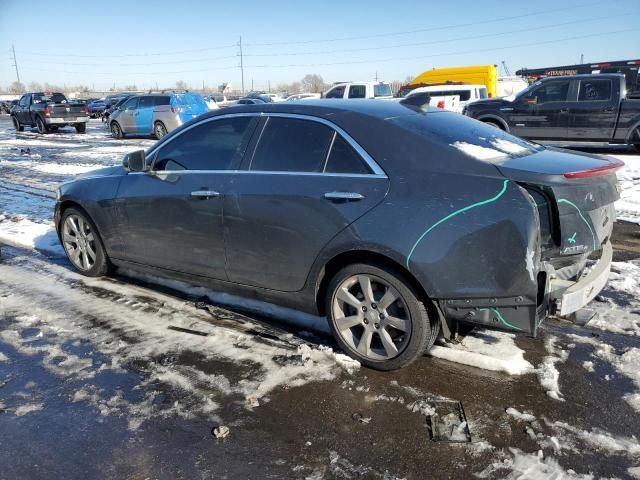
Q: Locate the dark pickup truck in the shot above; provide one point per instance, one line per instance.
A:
(567, 110)
(48, 111)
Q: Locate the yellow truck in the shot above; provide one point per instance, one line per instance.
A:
(477, 75)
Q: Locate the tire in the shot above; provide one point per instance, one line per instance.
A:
(635, 145)
(81, 127)
(81, 241)
(159, 130)
(493, 124)
(116, 131)
(42, 127)
(17, 125)
(391, 343)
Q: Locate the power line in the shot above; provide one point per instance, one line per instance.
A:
(432, 29)
(435, 42)
(176, 52)
(377, 60)
(39, 62)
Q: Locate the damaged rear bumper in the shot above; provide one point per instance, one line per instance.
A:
(568, 297)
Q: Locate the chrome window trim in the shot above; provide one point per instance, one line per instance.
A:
(375, 168)
(257, 172)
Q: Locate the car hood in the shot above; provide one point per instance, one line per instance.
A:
(489, 102)
(102, 172)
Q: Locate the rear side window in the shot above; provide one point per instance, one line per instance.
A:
(161, 100)
(145, 102)
(382, 90)
(336, 92)
(214, 145)
(292, 145)
(357, 91)
(344, 159)
(594, 90)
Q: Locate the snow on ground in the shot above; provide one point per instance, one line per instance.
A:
(628, 207)
(618, 305)
(547, 372)
(489, 350)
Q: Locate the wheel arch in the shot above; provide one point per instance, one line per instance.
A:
(349, 257)
(495, 119)
(64, 205)
(632, 131)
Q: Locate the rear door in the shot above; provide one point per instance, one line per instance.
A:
(304, 183)
(543, 113)
(171, 218)
(593, 116)
(144, 115)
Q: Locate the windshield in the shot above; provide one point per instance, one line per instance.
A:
(49, 97)
(382, 90)
(474, 139)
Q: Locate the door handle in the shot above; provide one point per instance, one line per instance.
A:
(344, 196)
(564, 110)
(607, 109)
(205, 194)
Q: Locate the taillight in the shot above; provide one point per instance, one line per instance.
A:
(85, 109)
(613, 165)
(441, 104)
(490, 95)
(47, 112)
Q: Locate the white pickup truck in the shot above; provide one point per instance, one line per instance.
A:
(377, 90)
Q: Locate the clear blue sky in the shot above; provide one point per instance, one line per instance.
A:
(144, 42)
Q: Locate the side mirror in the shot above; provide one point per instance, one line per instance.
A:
(135, 161)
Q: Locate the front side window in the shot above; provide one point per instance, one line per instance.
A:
(552, 92)
(24, 101)
(292, 145)
(131, 104)
(357, 91)
(336, 92)
(213, 145)
(594, 90)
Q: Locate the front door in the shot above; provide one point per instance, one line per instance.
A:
(542, 114)
(172, 217)
(593, 116)
(22, 112)
(303, 184)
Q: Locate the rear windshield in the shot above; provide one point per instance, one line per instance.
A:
(474, 139)
(184, 99)
(382, 90)
(49, 97)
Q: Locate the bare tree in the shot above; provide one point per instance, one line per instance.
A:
(180, 85)
(16, 87)
(130, 88)
(34, 87)
(313, 83)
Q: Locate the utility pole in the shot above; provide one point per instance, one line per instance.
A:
(241, 64)
(15, 62)
(376, 76)
(582, 58)
(269, 86)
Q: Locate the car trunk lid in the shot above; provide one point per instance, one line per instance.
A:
(573, 192)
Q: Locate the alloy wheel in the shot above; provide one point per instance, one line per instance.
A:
(371, 317)
(79, 242)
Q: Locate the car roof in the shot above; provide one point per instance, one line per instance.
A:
(381, 109)
(464, 86)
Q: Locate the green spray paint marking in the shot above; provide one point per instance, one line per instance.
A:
(499, 316)
(453, 214)
(572, 238)
(564, 200)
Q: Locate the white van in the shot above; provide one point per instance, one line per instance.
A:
(360, 90)
(466, 94)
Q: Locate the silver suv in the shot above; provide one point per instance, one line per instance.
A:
(156, 114)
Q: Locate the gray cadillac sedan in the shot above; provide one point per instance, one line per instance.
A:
(393, 221)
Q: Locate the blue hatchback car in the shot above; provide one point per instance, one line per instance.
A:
(156, 113)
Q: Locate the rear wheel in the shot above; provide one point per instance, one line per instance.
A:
(42, 127)
(159, 130)
(116, 131)
(377, 318)
(82, 243)
(81, 127)
(17, 125)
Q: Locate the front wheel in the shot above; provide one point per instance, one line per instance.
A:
(159, 130)
(82, 243)
(81, 127)
(42, 127)
(116, 131)
(378, 318)
(17, 125)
